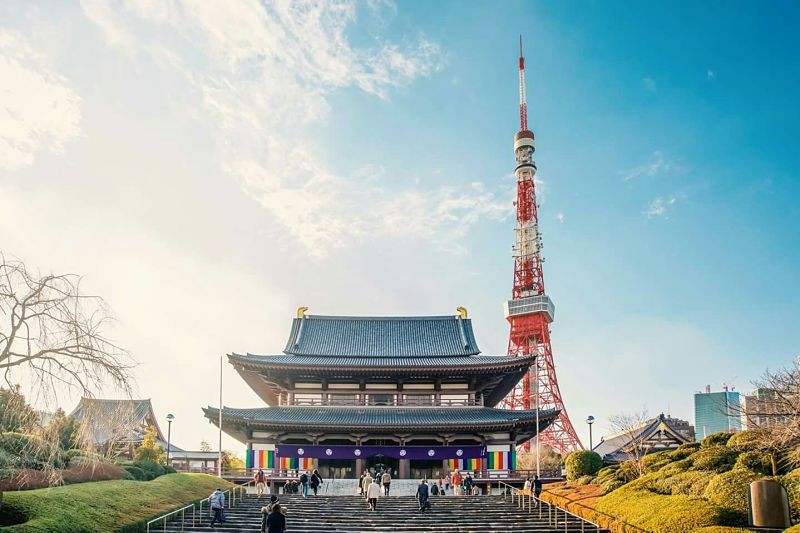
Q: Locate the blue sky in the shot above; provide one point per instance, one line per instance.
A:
(211, 169)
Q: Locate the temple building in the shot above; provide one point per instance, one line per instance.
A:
(654, 435)
(411, 394)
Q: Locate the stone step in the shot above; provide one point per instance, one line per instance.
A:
(395, 514)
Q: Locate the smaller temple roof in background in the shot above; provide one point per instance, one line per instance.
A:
(382, 336)
(653, 435)
(121, 420)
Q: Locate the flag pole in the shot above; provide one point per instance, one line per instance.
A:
(219, 457)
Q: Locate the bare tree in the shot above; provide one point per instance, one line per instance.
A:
(629, 427)
(51, 329)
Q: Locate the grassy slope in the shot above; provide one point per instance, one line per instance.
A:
(105, 506)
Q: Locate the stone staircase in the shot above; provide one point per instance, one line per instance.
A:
(395, 514)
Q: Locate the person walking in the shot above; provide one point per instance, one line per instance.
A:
(361, 484)
(386, 480)
(422, 495)
(434, 489)
(441, 485)
(304, 483)
(537, 488)
(316, 481)
(457, 481)
(366, 483)
(260, 480)
(217, 503)
(275, 521)
(373, 493)
(468, 484)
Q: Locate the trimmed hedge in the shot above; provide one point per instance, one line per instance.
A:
(755, 461)
(104, 506)
(691, 483)
(717, 458)
(582, 463)
(791, 483)
(723, 529)
(716, 439)
(731, 489)
(661, 514)
(744, 440)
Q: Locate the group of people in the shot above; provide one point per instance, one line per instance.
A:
(372, 487)
(306, 480)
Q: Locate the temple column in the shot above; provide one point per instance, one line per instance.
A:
(359, 467)
(405, 469)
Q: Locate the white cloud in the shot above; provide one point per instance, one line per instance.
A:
(659, 206)
(560, 217)
(656, 165)
(39, 111)
(649, 83)
(710, 74)
(265, 75)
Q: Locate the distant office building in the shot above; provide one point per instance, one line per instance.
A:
(761, 409)
(715, 412)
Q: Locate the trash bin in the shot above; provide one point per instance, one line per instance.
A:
(769, 504)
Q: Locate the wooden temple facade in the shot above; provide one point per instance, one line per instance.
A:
(411, 394)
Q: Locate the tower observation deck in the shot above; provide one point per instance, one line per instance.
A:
(530, 310)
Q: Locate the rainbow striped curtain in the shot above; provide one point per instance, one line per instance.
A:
(296, 463)
(502, 460)
(259, 459)
(465, 464)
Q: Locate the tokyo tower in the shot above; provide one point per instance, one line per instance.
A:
(530, 311)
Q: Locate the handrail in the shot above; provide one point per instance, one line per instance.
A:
(230, 499)
(552, 517)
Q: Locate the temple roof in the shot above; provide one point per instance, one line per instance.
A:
(119, 420)
(369, 364)
(382, 336)
(653, 435)
(385, 419)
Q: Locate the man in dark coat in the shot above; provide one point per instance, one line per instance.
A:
(422, 495)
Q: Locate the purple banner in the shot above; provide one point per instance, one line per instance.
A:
(395, 452)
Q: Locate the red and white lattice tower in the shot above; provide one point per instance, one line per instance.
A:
(530, 310)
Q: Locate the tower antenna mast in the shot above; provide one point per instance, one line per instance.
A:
(530, 311)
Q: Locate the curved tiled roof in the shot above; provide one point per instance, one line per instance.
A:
(381, 417)
(383, 363)
(382, 336)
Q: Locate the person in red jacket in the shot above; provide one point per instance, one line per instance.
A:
(457, 480)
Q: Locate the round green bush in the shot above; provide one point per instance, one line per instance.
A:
(717, 458)
(582, 463)
(169, 470)
(755, 461)
(656, 461)
(611, 485)
(745, 440)
(137, 473)
(731, 489)
(791, 482)
(684, 451)
(585, 480)
(607, 472)
(716, 439)
(678, 466)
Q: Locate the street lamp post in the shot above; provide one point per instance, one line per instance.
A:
(170, 418)
(590, 421)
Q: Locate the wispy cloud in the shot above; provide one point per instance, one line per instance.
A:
(710, 75)
(560, 217)
(39, 111)
(265, 83)
(660, 206)
(649, 83)
(657, 164)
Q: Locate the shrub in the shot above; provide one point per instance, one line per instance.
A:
(684, 451)
(717, 458)
(716, 439)
(661, 514)
(756, 461)
(731, 489)
(582, 463)
(691, 483)
(722, 529)
(677, 467)
(791, 482)
(585, 480)
(137, 473)
(611, 485)
(88, 470)
(29, 451)
(745, 440)
(655, 461)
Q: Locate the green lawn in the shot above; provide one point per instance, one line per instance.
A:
(103, 506)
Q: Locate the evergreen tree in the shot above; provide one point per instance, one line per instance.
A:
(15, 413)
